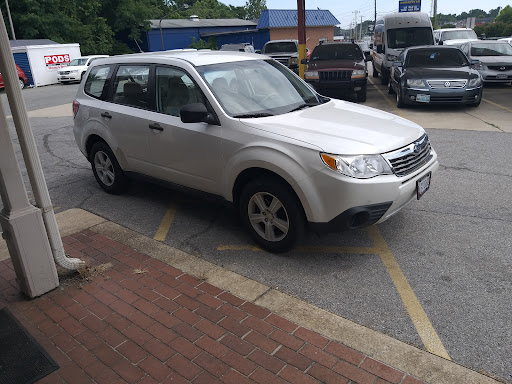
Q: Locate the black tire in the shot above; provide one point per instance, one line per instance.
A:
(287, 209)
(391, 91)
(361, 95)
(374, 71)
(399, 100)
(22, 83)
(106, 169)
(384, 77)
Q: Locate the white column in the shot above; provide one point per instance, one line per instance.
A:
(29, 150)
(22, 225)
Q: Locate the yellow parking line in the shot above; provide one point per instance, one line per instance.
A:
(166, 223)
(385, 97)
(418, 316)
(497, 105)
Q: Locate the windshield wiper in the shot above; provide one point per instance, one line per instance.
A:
(250, 115)
(305, 105)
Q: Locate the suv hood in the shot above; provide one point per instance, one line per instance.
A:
(440, 73)
(457, 42)
(341, 127)
(335, 65)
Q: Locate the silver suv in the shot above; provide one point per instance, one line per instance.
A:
(244, 127)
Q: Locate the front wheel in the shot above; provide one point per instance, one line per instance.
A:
(22, 83)
(399, 101)
(390, 88)
(272, 214)
(106, 169)
(384, 77)
(361, 95)
(374, 71)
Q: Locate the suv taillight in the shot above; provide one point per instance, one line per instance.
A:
(76, 104)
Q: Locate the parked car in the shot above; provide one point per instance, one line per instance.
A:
(337, 67)
(76, 68)
(239, 47)
(366, 47)
(435, 75)
(284, 51)
(495, 59)
(22, 79)
(507, 39)
(454, 36)
(244, 127)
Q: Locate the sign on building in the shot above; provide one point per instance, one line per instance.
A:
(409, 5)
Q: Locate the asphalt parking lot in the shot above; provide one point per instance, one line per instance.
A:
(437, 275)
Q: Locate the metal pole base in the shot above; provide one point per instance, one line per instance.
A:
(25, 235)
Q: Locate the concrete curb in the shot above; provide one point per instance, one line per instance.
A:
(409, 359)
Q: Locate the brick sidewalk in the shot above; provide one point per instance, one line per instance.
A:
(134, 319)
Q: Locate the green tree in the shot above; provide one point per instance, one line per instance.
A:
(254, 8)
(505, 16)
(201, 44)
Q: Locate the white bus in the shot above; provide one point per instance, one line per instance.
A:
(393, 33)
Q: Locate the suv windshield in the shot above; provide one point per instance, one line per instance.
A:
(337, 52)
(284, 46)
(77, 62)
(436, 58)
(408, 37)
(257, 88)
(483, 49)
(454, 35)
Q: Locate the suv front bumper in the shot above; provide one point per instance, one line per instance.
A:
(337, 202)
(327, 86)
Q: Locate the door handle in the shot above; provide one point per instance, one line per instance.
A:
(156, 126)
(106, 115)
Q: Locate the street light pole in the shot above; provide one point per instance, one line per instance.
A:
(184, 6)
(10, 20)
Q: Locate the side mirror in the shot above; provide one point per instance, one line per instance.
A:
(304, 61)
(380, 48)
(197, 113)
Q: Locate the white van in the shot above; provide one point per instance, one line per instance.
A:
(454, 36)
(393, 33)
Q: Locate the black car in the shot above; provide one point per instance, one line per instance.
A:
(336, 68)
(435, 75)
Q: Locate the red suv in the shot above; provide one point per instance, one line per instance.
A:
(21, 77)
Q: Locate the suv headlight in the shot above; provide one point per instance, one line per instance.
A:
(356, 73)
(312, 75)
(416, 83)
(474, 82)
(391, 58)
(293, 61)
(359, 166)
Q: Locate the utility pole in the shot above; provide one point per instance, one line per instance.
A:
(10, 20)
(301, 29)
(435, 14)
(374, 14)
(354, 34)
(361, 29)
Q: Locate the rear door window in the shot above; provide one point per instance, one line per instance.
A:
(96, 84)
(131, 86)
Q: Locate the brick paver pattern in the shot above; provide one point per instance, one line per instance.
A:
(139, 320)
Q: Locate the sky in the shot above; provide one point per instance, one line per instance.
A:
(344, 10)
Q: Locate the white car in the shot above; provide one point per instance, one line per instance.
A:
(507, 39)
(76, 68)
(454, 36)
(244, 127)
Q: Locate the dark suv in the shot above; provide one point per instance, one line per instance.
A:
(338, 67)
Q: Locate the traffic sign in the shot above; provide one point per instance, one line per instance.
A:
(409, 5)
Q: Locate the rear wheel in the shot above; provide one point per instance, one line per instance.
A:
(22, 83)
(374, 71)
(390, 88)
(106, 169)
(272, 214)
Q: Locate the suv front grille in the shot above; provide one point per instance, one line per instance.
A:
(408, 159)
(498, 67)
(335, 75)
(436, 84)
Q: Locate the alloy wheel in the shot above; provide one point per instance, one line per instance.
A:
(104, 168)
(268, 216)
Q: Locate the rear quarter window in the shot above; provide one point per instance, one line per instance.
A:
(96, 83)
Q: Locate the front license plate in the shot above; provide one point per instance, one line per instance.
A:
(423, 98)
(501, 76)
(423, 184)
